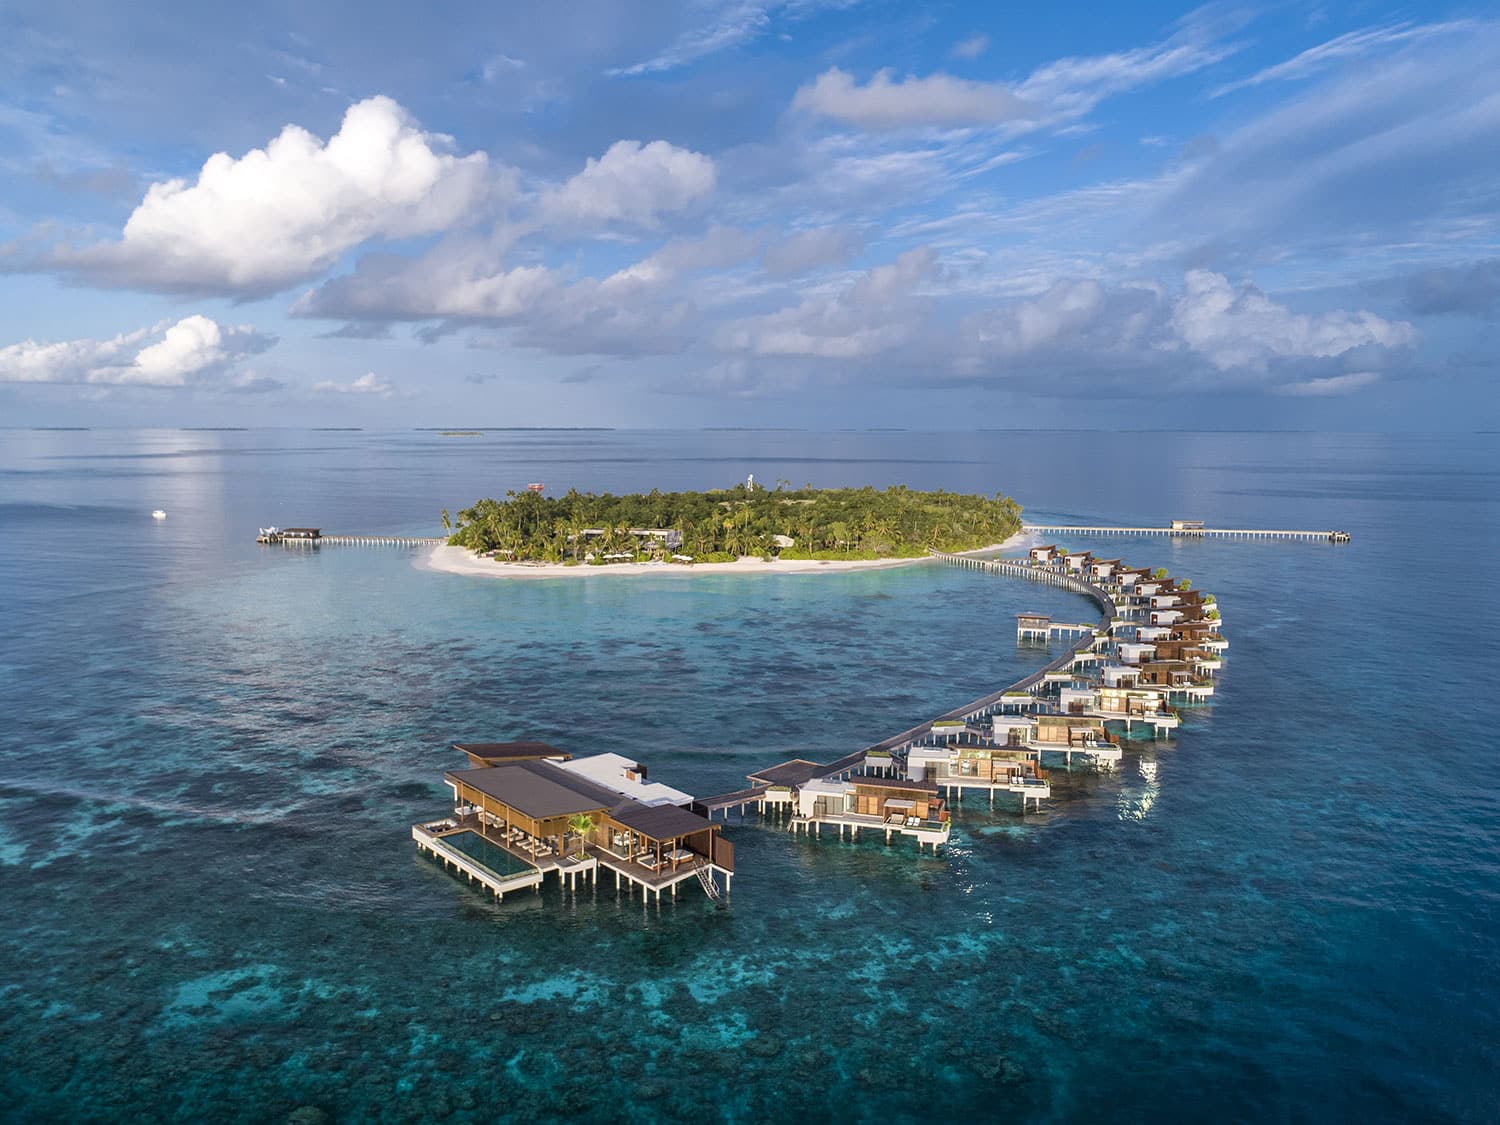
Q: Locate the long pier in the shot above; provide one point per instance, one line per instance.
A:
(283, 540)
(1191, 532)
(381, 540)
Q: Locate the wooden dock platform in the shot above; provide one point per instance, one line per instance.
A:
(739, 799)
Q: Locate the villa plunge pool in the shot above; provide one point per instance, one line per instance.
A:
(488, 855)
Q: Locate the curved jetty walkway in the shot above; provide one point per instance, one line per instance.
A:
(986, 704)
(1156, 643)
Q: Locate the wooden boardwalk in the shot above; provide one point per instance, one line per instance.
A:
(1191, 532)
(365, 541)
(382, 540)
(985, 704)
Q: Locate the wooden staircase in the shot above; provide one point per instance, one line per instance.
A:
(705, 878)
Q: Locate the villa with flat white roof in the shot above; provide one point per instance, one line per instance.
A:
(626, 778)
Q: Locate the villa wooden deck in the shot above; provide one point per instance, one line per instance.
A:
(924, 831)
(653, 880)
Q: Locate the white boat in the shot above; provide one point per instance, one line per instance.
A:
(159, 514)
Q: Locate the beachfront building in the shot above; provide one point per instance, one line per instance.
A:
(527, 816)
(1042, 555)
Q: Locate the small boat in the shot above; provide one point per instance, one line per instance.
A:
(536, 486)
(158, 514)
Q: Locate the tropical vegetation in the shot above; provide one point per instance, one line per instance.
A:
(724, 524)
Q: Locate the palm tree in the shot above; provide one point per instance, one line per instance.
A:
(581, 825)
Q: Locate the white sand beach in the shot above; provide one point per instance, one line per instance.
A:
(459, 560)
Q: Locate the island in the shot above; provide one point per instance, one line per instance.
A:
(781, 527)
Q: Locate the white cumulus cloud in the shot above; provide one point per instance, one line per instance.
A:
(284, 213)
(191, 351)
(971, 48)
(632, 183)
(367, 384)
(1242, 327)
(911, 102)
(879, 311)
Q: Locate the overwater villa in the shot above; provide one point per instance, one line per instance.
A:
(1103, 568)
(531, 810)
(892, 805)
(1008, 768)
(524, 810)
(1175, 679)
(1076, 562)
(854, 793)
(1199, 657)
(1131, 705)
(1203, 633)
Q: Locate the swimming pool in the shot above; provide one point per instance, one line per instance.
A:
(489, 855)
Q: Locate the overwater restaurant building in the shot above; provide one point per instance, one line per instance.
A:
(557, 803)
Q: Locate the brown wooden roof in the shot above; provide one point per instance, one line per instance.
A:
(793, 772)
(496, 752)
(530, 792)
(660, 822)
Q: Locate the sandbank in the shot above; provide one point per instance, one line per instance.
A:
(460, 560)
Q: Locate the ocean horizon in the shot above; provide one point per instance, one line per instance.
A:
(213, 753)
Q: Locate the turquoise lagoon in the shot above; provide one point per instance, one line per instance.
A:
(213, 752)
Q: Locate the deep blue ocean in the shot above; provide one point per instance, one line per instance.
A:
(211, 754)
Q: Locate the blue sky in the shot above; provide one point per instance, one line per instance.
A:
(812, 214)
